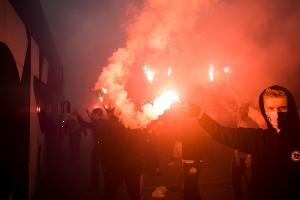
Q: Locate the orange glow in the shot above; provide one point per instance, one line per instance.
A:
(149, 74)
(211, 73)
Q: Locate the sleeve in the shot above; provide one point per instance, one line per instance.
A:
(247, 140)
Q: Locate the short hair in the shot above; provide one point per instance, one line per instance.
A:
(274, 92)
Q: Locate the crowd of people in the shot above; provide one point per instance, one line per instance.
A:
(265, 162)
(116, 148)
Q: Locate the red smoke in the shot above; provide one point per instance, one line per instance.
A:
(258, 39)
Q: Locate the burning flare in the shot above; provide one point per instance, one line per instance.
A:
(211, 72)
(164, 101)
(149, 74)
(160, 104)
(169, 71)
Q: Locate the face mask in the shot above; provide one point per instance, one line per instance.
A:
(278, 120)
(283, 120)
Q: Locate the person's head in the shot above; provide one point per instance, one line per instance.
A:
(278, 107)
(97, 114)
(275, 104)
(243, 110)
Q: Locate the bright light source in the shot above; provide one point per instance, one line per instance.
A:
(170, 71)
(149, 74)
(211, 73)
(104, 90)
(227, 69)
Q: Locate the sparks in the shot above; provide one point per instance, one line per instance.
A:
(169, 71)
(149, 74)
(211, 73)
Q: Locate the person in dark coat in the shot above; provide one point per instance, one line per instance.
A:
(194, 155)
(122, 159)
(190, 144)
(275, 151)
(75, 131)
(98, 128)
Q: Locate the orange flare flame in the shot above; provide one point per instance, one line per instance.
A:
(211, 73)
(149, 74)
(160, 104)
(169, 71)
(164, 101)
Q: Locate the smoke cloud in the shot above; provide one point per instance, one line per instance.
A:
(258, 40)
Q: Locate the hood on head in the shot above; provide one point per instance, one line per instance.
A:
(293, 115)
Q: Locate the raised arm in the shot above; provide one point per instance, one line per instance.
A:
(244, 139)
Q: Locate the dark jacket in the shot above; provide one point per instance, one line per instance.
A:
(98, 128)
(275, 157)
(121, 146)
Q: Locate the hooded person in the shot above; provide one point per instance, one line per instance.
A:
(275, 150)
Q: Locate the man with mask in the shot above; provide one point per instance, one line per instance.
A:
(275, 151)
